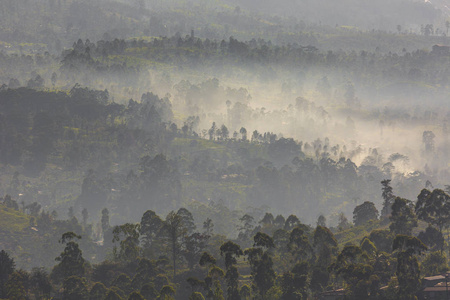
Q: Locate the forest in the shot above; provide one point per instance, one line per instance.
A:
(226, 149)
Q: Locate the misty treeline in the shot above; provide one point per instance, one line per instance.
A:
(301, 92)
(181, 256)
(267, 60)
(79, 149)
(55, 24)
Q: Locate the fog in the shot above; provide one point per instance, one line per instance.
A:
(361, 86)
(229, 149)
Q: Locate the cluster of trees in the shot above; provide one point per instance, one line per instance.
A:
(190, 51)
(280, 258)
(67, 20)
(121, 146)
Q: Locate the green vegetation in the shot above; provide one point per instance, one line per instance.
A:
(227, 149)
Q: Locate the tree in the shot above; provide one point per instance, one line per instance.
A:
(246, 227)
(98, 291)
(434, 263)
(267, 219)
(105, 220)
(10, 203)
(382, 239)
(145, 272)
(299, 245)
(194, 246)
(433, 207)
(17, 285)
(291, 222)
(245, 292)
(196, 296)
(353, 265)
(167, 291)
(212, 131)
(149, 292)
(403, 217)
(322, 221)
(123, 283)
(128, 236)
(261, 263)
(212, 284)
(364, 213)
(388, 197)
(368, 247)
(75, 288)
(324, 244)
(40, 283)
(231, 251)
(279, 222)
(294, 283)
(71, 261)
(343, 222)
(408, 271)
(7, 266)
(174, 230)
(187, 220)
(150, 228)
(224, 133)
(432, 238)
(243, 133)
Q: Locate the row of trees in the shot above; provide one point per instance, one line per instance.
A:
(285, 259)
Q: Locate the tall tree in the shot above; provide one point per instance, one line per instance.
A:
(261, 263)
(174, 230)
(403, 217)
(71, 261)
(408, 271)
(433, 207)
(321, 221)
(388, 197)
(299, 245)
(246, 227)
(324, 244)
(187, 219)
(353, 265)
(231, 251)
(151, 225)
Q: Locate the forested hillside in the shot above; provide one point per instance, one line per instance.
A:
(227, 149)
